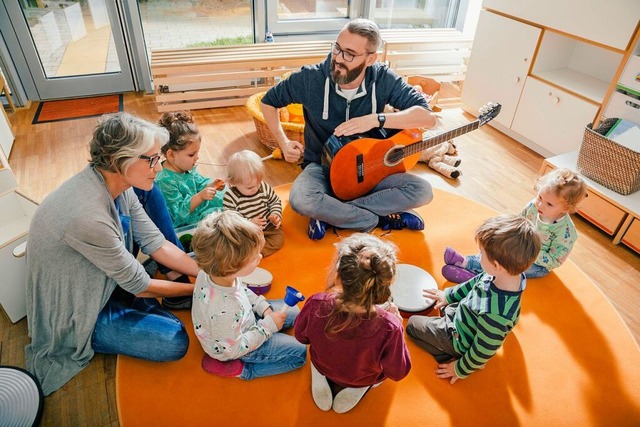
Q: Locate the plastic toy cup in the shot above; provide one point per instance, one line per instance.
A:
(295, 113)
(292, 297)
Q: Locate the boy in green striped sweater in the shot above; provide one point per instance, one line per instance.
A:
(478, 315)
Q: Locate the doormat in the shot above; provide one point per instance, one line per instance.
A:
(69, 109)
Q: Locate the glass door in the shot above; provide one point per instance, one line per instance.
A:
(72, 48)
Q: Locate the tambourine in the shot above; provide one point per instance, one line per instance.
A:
(259, 281)
(408, 286)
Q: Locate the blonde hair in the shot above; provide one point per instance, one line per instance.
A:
(510, 240)
(566, 184)
(244, 166)
(182, 130)
(224, 242)
(362, 272)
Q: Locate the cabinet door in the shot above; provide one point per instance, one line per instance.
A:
(610, 22)
(499, 63)
(551, 118)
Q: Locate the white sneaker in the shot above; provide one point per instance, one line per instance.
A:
(348, 398)
(320, 390)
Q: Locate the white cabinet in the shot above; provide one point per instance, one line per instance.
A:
(552, 118)
(609, 23)
(6, 135)
(16, 212)
(550, 78)
(500, 61)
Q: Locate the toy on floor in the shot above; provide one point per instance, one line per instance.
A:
(442, 159)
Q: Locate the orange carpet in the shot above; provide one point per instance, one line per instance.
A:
(67, 109)
(570, 360)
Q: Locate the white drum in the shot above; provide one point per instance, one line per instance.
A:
(259, 281)
(408, 286)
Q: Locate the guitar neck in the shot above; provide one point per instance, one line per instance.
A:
(417, 147)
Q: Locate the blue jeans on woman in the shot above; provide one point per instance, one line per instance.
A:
(155, 206)
(279, 354)
(534, 272)
(312, 197)
(139, 327)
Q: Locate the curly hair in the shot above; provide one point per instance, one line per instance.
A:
(182, 130)
(224, 242)
(566, 184)
(120, 138)
(362, 272)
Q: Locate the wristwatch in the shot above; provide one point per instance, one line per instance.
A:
(381, 119)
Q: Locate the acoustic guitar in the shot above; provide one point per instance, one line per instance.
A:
(354, 166)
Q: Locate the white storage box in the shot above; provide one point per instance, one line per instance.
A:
(630, 78)
(623, 107)
(16, 212)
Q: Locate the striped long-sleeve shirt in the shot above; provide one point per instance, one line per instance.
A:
(484, 318)
(262, 204)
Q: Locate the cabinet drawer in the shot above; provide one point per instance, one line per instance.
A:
(551, 118)
(601, 213)
(631, 237)
(624, 107)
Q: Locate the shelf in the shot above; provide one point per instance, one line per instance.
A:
(579, 83)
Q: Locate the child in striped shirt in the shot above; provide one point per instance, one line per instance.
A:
(477, 315)
(254, 198)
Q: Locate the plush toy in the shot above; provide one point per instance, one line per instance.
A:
(442, 159)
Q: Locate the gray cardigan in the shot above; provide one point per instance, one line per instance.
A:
(76, 255)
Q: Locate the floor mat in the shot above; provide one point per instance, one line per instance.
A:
(68, 109)
(569, 361)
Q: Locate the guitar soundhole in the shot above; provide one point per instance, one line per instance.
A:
(394, 156)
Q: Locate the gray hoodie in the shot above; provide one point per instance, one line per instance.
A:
(325, 106)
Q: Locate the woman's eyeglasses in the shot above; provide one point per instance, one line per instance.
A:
(153, 160)
(348, 57)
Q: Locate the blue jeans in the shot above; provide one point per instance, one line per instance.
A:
(155, 206)
(279, 354)
(534, 272)
(141, 328)
(311, 196)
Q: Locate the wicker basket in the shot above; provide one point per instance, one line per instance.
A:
(607, 162)
(294, 131)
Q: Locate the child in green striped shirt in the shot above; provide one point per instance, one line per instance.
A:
(477, 315)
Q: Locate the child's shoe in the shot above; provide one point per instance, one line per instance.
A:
(317, 229)
(451, 257)
(320, 390)
(400, 220)
(348, 398)
(456, 274)
(232, 368)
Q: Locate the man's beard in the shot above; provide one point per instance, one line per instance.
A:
(347, 78)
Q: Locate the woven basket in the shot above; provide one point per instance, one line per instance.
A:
(607, 162)
(294, 131)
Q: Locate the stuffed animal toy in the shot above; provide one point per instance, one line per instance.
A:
(441, 158)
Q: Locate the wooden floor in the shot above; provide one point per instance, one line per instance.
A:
(496, 171)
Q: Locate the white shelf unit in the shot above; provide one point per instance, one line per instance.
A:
(551, 72)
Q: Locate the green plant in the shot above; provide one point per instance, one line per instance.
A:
(225, 41)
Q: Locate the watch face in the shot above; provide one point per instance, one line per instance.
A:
(381, 119)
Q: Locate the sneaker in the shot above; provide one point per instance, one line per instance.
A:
(456, 274)
(179, 303)
(317, 229)
(400, 220)
(348, 398)
(231, 368)
(320, 390)
(451, 257)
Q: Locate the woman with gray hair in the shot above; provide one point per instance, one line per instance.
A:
(86, 292)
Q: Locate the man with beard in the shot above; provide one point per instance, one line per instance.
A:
(345, 95)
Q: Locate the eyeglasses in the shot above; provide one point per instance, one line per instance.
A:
(153, 160)
(348, 57)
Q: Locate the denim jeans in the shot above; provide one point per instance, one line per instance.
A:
(534, 272)
(279, 354)
(311, 196)
(141, 328)
(154, 205)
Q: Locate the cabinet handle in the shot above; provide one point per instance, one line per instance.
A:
(632, 104)
(517, 79)
(554, 99)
